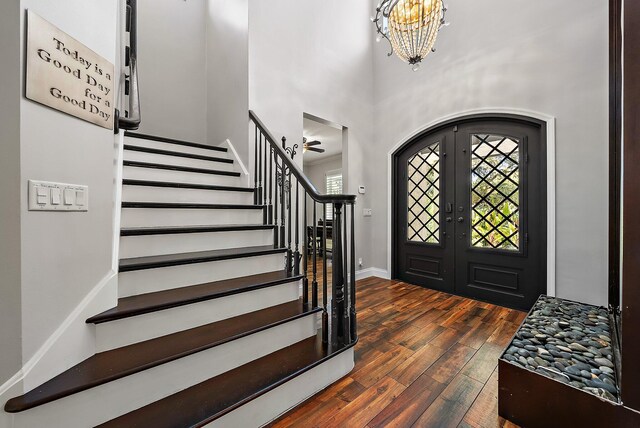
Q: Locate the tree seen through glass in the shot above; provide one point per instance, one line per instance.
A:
(495, 192)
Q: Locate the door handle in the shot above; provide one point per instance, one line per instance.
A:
(460, 219)
(449, 219)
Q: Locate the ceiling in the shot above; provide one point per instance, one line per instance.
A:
(330, 137)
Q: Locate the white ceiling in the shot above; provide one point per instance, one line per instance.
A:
(330, 137)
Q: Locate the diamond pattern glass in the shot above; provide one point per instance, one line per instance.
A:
(423, 186)
(495, 192)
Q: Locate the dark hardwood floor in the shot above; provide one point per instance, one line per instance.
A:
(424, 359)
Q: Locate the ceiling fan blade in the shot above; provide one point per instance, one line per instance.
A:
(313, 143)
(315, 149)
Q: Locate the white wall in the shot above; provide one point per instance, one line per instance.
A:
(228, 73)
(172, 67)
(316, 172)
(57, 258)
(309, 56)
(10, 184)
(545, 56)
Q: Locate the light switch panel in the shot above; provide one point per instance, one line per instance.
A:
(55, 196)
(42, 196)
(80, 198)
(69, 196)
(47, 196)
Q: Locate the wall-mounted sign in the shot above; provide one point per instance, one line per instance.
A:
(64, 74)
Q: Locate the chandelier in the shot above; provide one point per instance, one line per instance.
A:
(410, 26)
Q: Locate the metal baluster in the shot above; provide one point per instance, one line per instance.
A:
(345, 272)
(283, 175)
(259, 160)
(289, 252)
(265, 216)
(305, 253)
(296, 254)
(314, 255)
(325, 316)
(255, 168)
(270, 207)
(276, 232)
(337, 305)
(354, 326)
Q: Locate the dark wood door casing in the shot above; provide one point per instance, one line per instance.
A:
(630, 376)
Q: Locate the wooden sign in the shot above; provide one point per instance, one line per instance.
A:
(64, 74)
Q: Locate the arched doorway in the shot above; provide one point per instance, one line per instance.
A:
(469, 209)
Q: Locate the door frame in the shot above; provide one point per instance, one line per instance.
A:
(498, 113)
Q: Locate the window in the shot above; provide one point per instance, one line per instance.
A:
(333, 186)
(423, 185)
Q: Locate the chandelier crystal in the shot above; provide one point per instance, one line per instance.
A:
(410, 26)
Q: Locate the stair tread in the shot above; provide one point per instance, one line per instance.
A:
(147, 183)
(145, 231)
(159, 300)
(153, 165)
(173, 141)
(207, 401)
(165, 260)
(117, 363)
(189, 205)
(134, 148)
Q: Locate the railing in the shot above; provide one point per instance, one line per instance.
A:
(132, 117)
(289, 197)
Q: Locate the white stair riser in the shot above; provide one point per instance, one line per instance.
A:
(177, 160)
(155, 245)
(152, 217)
(175, 147)
(276, 402)
(115, 334)
(151, 174)
(105, 402)
(150, 280)
(173, 194)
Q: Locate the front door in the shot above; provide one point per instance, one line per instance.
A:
(470, 212)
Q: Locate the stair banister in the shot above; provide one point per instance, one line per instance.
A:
(295, 169)
(132, 118)
(339, 328)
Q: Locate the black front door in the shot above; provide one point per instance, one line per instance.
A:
(470, 211)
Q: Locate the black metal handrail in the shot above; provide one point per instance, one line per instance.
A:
(286, 192)
(304, 181)
(132, 118)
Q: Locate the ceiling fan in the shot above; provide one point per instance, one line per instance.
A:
(309, 146)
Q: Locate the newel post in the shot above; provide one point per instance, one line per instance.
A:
(338, 305)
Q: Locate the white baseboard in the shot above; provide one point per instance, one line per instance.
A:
(372, 271)
(234, 155)
(72, 342)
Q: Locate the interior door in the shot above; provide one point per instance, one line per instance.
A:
(424, 222)
(470, 213)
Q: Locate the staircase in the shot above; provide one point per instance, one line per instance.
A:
(214, 325)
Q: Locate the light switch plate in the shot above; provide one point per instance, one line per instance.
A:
(48, 196)
(367, 212)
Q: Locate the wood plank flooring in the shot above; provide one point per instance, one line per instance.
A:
(424, 359)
